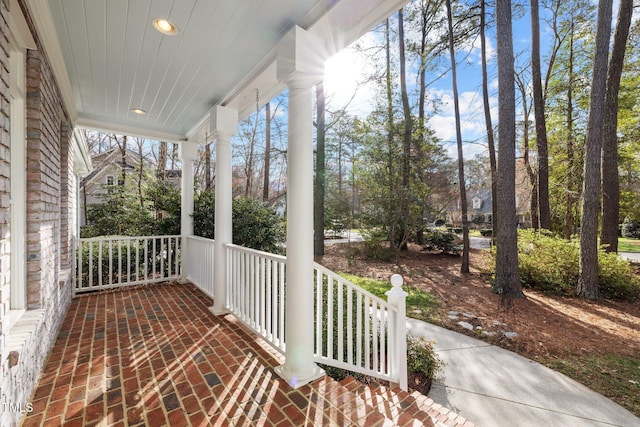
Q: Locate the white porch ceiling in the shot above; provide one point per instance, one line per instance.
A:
(108, 58)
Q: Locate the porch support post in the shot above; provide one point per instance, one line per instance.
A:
(188, 155)
(301, 65)
(224, 124)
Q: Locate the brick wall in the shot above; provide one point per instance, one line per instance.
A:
(50, 209)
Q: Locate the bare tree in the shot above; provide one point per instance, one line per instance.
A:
(407, 135)
(456, 105)
(267, 152)
(610, 178)
(140, 144)
(487, 115)
(588, 286)
(161, 167)
(318, 205)
(208, 179)
(507, 282)
(526, 149)
(541, 125)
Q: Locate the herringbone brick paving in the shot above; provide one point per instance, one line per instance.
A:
(154, 355)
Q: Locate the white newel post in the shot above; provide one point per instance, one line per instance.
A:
(224, 124)
(301, 57)
(398, 299)
(188, 155)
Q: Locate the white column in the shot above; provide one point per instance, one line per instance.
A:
(301, 65)
(188, 155)
(224, 124)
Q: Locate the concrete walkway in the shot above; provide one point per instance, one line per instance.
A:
(493, 387)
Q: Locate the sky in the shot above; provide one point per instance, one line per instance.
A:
(347, 67)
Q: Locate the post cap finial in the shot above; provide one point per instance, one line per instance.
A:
(397, 280)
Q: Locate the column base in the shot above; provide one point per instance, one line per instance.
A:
(297, 379)
(218, 311)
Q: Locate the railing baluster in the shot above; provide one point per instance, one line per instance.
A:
(374, 335)
(330, 284)
(383, 341)
(319, 311)
(90, 259)
(359, 331)
(119, 261)
(367, 332)
(281, 283)
(350, 326)
(340, 322)
(79, 282)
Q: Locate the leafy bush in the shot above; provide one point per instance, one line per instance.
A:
(255, 225)
(478, 219)
(551, 264)
(486, 232)
(631, 228)
(444, 241)
(422, 360)
(374, 247)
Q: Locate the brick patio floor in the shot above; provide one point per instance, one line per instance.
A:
(154, 355)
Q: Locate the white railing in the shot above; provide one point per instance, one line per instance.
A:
(256, 291)
(354, 329)
(112, 262)
(357, 331)
(198, 262)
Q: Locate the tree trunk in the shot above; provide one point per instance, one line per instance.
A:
(208, 181)
(507, 282)
(569, 223)
(531, 173)
(610, 178)
(161, 167)
(318, 205)
(588, 286)
(408, 133)
(456, 105)
(123, 159)
(487, 118)
(390, 137)
(267, 153)
(140, 142)
(541, 124)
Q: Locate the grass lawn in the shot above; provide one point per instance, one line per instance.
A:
(420, 304)
(610, 375)
(628, 245)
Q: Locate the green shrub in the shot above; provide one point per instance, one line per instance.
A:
(631, 228)
(422, 360)
(443, 241)
(255, 225)
(374, 247)
(551, 264)
(486, 232)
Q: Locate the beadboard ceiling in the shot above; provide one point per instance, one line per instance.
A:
(108, 58)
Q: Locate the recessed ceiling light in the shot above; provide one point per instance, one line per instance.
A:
(138, 111)
(165, 26)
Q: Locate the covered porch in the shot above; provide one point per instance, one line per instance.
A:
(155, 355)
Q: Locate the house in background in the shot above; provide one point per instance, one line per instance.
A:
(194, 71)
(107, 173)
(479, 210)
